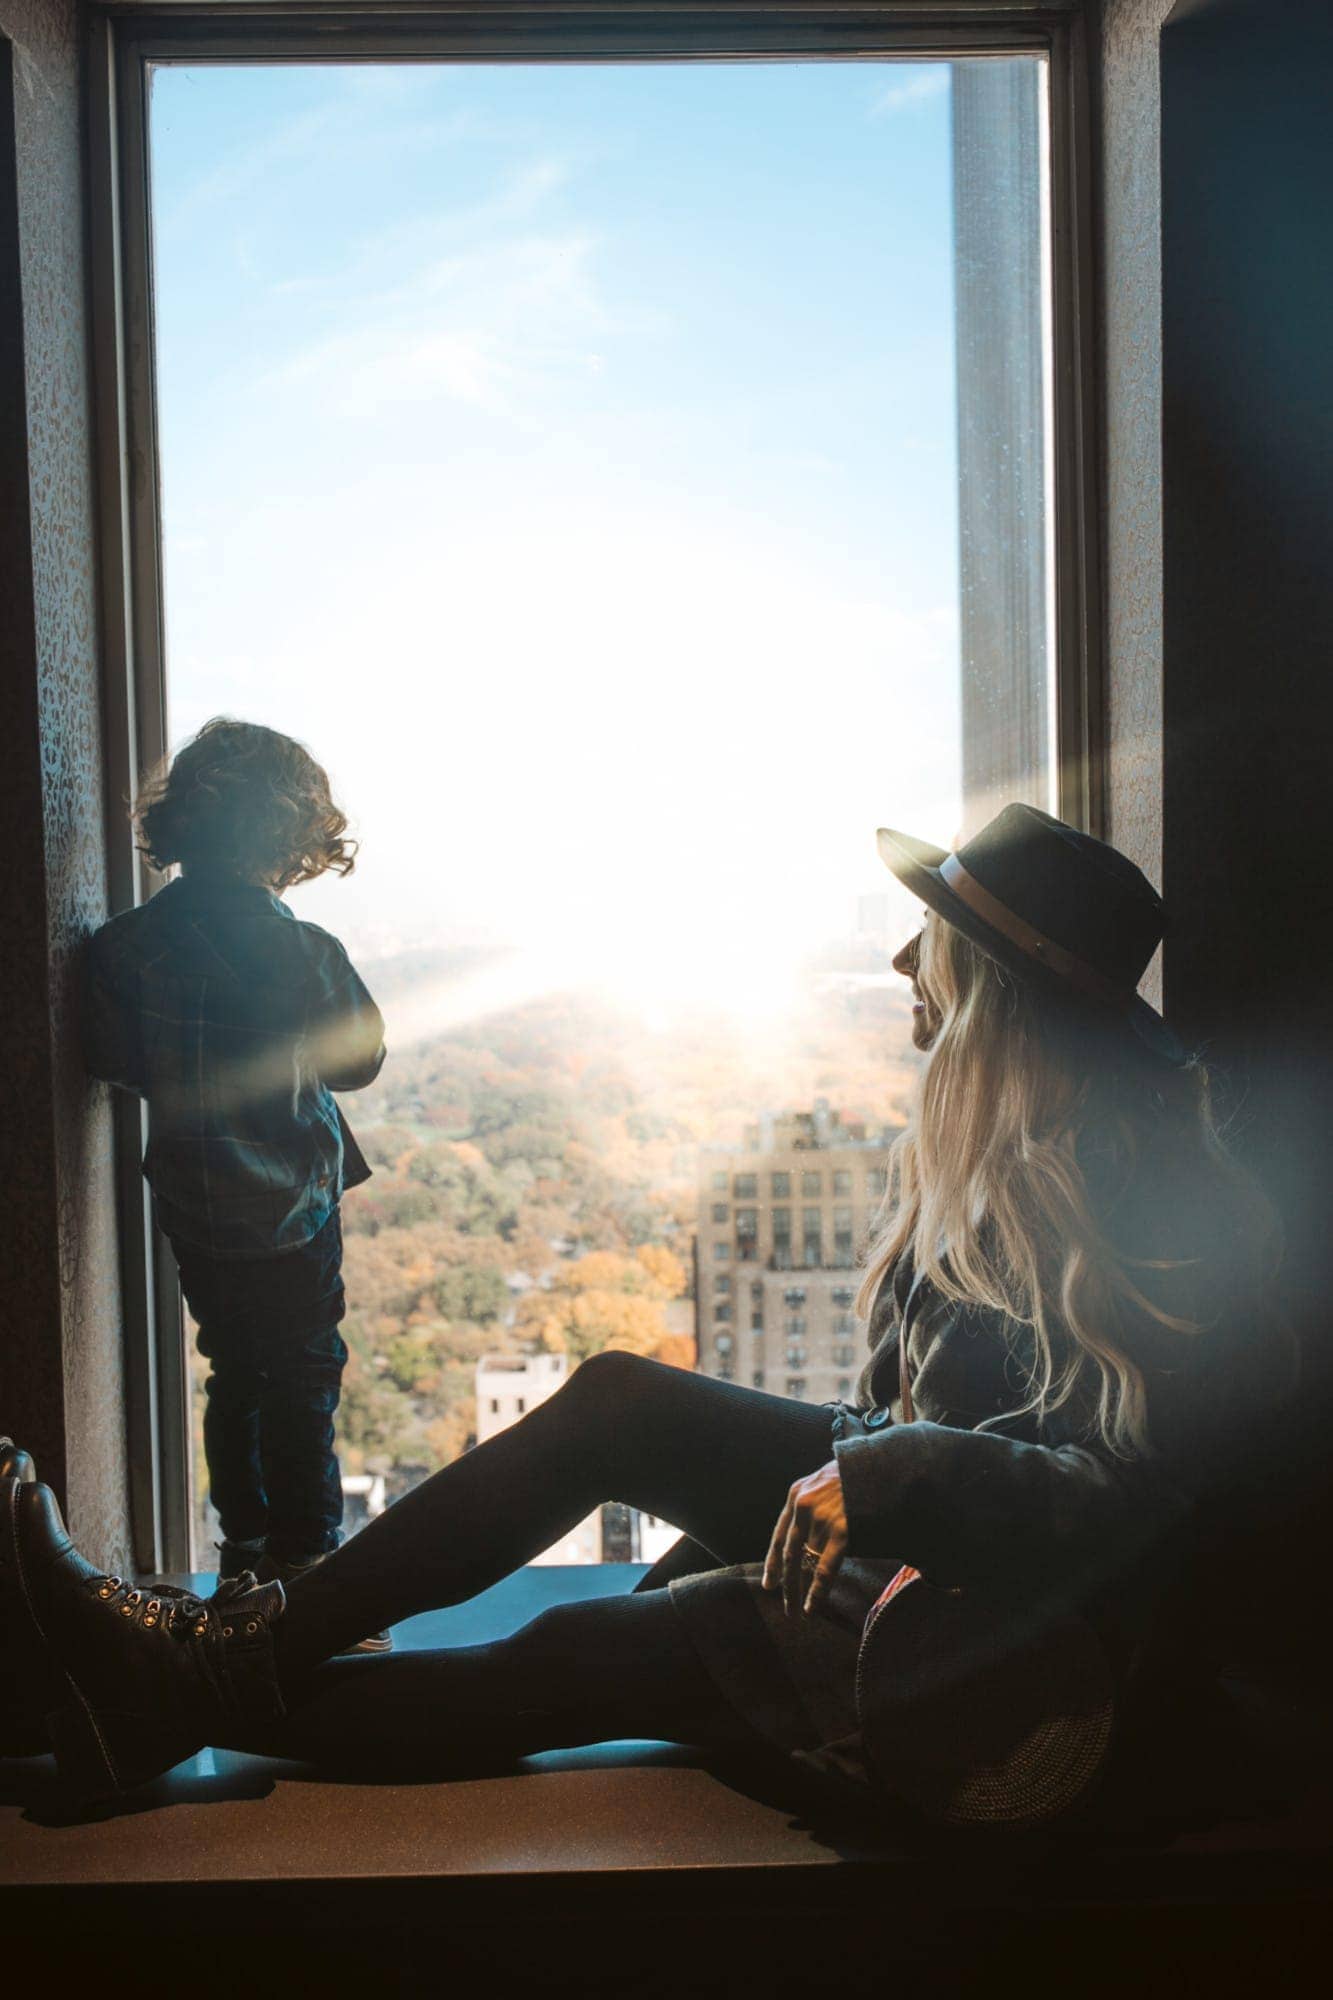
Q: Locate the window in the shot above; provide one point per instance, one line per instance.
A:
(495, 1406)
(795, 1354)
(756, 1319)
(796, 1325)
(812, 1240)
(843, 1355)
(842, 1296)
(721, 1212)
(484, 401)
(782, 1239)
(844, 1385)
(722, 1311)
(812, 1186)
(521, 1405)
(757, 1378)
(796, 1386)
(724, 1371)
(756, 1291)
(842, 1182)
(723, 1343)
(794, 1295)
(745, 1187)
(722, 1281)
(843, 1252)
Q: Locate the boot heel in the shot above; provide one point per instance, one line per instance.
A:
(81, 1756)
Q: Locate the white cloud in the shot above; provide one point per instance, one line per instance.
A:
(917, 87)
(477, 328)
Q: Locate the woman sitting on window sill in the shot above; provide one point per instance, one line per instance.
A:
(946, 1588)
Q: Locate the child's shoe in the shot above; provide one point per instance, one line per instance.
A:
(235, 1558)
(286, 1569)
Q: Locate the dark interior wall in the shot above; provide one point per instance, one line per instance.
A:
(1247, 509)
(60, 1329)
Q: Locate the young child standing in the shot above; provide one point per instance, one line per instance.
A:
(236, 1022)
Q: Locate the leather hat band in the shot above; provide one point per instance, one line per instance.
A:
(1075, 971)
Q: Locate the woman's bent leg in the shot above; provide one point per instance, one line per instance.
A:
(580, 1673)
(714, 1459)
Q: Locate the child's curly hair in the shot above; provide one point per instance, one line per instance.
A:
(248, 800)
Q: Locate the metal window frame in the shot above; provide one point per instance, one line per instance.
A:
(124, 41)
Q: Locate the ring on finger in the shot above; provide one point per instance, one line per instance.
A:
(810, 1557)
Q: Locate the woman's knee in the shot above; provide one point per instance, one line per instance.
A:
(613, 1379)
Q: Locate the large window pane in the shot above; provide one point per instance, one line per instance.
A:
(570, 456)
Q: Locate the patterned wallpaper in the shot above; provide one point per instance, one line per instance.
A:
(1132, 291)
(47, 37)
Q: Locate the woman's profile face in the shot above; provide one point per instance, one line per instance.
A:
(926, 1014)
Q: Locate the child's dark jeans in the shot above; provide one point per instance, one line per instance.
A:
(269, 1328)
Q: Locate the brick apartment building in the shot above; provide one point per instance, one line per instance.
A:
(783, 1220)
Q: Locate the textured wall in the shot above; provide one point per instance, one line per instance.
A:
(1132, 347)
(63, 1346)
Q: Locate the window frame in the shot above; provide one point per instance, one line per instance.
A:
(124, 43)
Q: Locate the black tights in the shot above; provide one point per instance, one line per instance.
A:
(714, 1459)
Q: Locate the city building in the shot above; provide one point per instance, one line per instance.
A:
(783, 1222)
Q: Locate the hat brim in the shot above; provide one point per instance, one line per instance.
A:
(917, 865)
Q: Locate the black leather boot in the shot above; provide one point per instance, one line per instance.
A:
(131, 1680)
(22, 1729)
(15, 1463)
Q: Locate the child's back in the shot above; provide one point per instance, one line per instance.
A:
(236, 1022)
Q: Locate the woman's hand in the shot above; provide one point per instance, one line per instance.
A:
(809, 1541)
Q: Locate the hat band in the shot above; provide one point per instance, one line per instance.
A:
(1076, 972)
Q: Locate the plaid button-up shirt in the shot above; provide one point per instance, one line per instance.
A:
(235, 1022)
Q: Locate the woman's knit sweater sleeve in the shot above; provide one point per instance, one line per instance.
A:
(966, 1506)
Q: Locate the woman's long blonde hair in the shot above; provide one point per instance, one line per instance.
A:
(1052, 1174)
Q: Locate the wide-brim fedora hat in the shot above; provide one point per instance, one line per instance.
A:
(1053, 906)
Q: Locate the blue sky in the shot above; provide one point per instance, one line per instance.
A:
(567, 454)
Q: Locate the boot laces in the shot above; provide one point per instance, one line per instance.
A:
(164, 1607)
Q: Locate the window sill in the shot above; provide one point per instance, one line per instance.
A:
(572, 1843)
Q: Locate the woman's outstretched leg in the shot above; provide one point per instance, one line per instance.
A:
(580, 1673)
(714, 1459)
